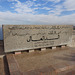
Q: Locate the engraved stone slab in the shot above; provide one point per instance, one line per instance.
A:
(26, 37)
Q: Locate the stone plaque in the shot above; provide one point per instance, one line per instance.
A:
(26, 37)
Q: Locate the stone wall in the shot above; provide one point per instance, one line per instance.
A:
(26, 37)
(72, 41)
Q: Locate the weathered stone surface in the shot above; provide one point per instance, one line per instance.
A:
(26, 37)
(72, 41)
(13, 65)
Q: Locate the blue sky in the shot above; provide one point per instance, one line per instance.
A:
(37, 12)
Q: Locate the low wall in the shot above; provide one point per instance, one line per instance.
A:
(72, 41)
(25, 37)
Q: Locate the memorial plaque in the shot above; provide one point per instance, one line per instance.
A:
(26, 37)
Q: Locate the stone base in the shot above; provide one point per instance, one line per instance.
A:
(16, 53)
(63, 46)
(1, 56)
(43, 49)
(53, 47)
(49, 48)
(13, 65)
(31, 51)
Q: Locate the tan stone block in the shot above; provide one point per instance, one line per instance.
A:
(1, 56)
(16, 53)
(43, 49)
(63, 46)
(31, 51)
(53, 47)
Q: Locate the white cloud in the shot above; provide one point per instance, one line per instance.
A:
(12, 7)
(23, 7)
(38, 5)
(13, 3)
(34, 0)
(36, 8)
(29, 3)
(55, 1)
(24, 10)
(26, 18)
(69, 5)
(57, 10)
(46, 8)
(10, 0)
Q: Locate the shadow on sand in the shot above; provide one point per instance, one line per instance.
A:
(6, 68)
(67, 57)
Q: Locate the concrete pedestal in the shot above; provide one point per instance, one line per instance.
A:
(16, 53)
(63, 46)
(43, 49)
(31, 51)
(53, 47)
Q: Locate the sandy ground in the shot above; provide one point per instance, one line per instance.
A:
(1, 67)
(42, 59)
